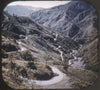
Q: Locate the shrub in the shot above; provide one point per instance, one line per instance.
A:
(26, 55)
(3, 54)
(47, 58)
(31, 65)
(23, 72)
(9, 47)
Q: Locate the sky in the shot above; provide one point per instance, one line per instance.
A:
(42, 4)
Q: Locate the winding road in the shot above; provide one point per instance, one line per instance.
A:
(53, 80)
(59, 81)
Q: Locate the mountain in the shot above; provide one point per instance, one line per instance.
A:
(32, 52)
(20, 10)
(76, 20)
(25, 41)
(37, 35)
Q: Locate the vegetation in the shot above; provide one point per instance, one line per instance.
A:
(8, 47)
(47, 58)
(4, 54)
(20, 68)
(31, 65)
(26, 55)
(82, 77)
(90, 55)
(30, 70)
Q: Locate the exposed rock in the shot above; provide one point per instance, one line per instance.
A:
(38, 36)
(77, 20)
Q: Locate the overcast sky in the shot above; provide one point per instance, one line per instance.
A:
(43, 4)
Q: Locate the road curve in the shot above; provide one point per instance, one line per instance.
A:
(53, 80)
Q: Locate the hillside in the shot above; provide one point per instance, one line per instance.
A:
(76, 20)
(24, 27)
(24, 39)
(54, 48)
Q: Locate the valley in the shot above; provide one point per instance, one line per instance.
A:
(54, 48)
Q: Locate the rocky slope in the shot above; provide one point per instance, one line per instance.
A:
(25, 41)
(35, 35)
(76, 20)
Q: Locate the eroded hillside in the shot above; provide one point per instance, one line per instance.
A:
(58, 49)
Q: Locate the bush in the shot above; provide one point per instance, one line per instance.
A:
(3, 54)
(9, 47)
(31, 65)
(23, 72)
(26, 55)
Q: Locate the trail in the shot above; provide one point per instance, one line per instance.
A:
(59, 81)
(61, 52)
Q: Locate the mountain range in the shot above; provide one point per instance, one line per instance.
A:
(76, 20)
(34, 42)
(21, 10)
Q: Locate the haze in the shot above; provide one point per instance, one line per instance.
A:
(42, 4)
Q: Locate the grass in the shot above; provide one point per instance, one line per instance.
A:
(90, 55)
(13, 66)
(25, 69)
(81, 78)
(23, 64)
(9, 44)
